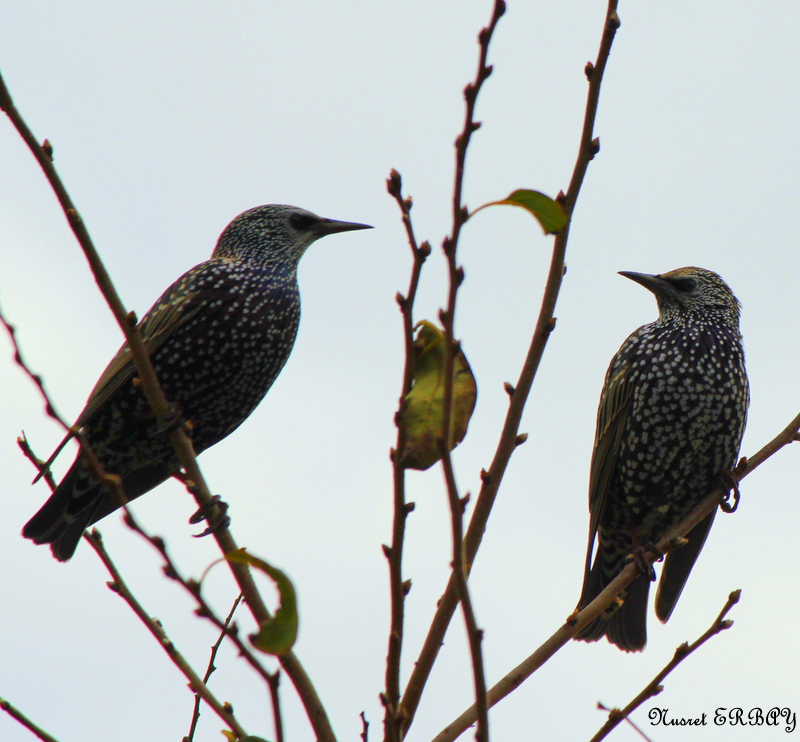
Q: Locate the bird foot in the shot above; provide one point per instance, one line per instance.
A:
(174, 420)
(639, 557)
(215, 513)
(731, 481)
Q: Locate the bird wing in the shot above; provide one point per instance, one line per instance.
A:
(158, 325)
(612, 415)
(176, 306)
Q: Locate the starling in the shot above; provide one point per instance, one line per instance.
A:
(671, 418)
(218, 337)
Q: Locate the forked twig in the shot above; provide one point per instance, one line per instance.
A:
(210, 669)
(615, 716)
(196, 683)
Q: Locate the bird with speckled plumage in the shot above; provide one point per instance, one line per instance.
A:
(671, 418)
(218, 338)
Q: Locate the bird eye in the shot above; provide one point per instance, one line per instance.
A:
(301, 222)
(686, 284)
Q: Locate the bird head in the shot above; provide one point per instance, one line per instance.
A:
(690, 292)
(276, 231)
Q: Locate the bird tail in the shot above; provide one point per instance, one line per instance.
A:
(677, 566)
(80, 500)
(63, 518)
(627, 625)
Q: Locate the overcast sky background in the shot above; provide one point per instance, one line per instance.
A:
(169, 119)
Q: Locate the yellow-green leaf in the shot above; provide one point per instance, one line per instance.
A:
(278, 634)
(549, 213)
(422, 411)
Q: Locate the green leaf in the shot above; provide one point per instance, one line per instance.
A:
(278, 634)
(422, 411)
(549, 213)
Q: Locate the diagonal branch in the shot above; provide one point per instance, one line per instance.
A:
(654, 687)
(577, 621)
(161, 407)
(509, 437)
(15, 713)
(224, 711)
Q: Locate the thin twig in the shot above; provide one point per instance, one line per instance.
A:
(456, 277)
(41, 466)
(210, 669)
(181, 442)
(203, 610)
(629, 722)
(15, 713)
(364, 727)
(578, 620)
(394, 553)
(197, 685)
(277, 717)
(509, 437)
(36, 378)
(194, 588)
(653, 688)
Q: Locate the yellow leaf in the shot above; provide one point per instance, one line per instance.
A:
(422, 411)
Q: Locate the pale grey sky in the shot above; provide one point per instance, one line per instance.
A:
(168, 119)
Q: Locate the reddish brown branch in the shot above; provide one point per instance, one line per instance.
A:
(210, 669)
(35, 378)
(154, 627)
(394, 553)
(456, 277)
(615, 716)
(509, 440)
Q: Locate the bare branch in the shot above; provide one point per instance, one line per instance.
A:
(118, 585)
(194, 588)
(653, 688)
(394, 554)
(41, 466)
(15, 713)
(364, 727)
(628, 721)
(210, 669)
(456, 277)
(35, 378)
(508, 438)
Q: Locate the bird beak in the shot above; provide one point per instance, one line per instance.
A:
(331, 226)
(656, 284)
